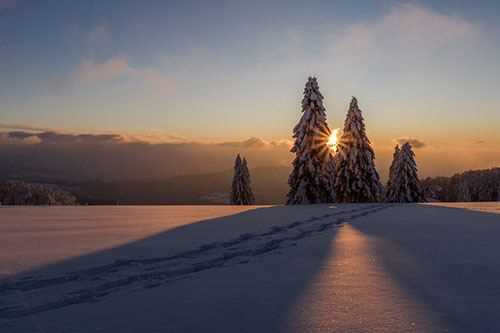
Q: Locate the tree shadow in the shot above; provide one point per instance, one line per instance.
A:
(447, 259)
(233, 270)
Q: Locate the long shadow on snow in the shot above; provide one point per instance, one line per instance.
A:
(452, 267)
(219, 260)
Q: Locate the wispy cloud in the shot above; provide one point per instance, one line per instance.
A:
(112, 69)
(26, 134)
(116, 68)
(19, 127)
(57, 138)
(29, 136)
(417, 144)
(407, 31)
(257, 143)
(153, 138)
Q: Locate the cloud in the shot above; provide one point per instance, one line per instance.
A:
(20, 135)
(7, 126)
(57, 138)
(479, 142)
(256, 143)
(112, 69)
(409, 32)
(26, 134)
(417, 144)
(18, 138)
(153, 138)
(116, 68)
(116, 156)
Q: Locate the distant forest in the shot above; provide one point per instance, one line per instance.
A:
(270, 186)
(470, 186)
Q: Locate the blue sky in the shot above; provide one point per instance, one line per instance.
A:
(222, 70)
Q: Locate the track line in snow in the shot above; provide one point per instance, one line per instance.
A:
(95, 283)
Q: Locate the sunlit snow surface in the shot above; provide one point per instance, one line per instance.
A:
(487, 207)
(325, 268)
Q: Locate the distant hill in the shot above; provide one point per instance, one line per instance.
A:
(88, 161)
(269, 184)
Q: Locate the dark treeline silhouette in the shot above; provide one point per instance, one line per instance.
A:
(469, 186)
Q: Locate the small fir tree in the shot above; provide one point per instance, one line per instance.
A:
(356, 179)
(404, 185)
(309, 181)
(241, 191)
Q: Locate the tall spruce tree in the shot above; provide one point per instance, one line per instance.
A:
(241, 191)
(309, 181)
(404, 185)
(356, 179)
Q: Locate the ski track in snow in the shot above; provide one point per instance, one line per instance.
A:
(95, 283)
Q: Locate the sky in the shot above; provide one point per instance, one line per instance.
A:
(217, 71)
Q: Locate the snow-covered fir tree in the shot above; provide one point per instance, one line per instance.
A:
(404, 185)
(309, 181)
(356, 179)
(241, 191)
(395, 158)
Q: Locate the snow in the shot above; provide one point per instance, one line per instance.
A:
(486, 207)
(38, 236)
(317, 268)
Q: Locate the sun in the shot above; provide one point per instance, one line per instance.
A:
(333, 139)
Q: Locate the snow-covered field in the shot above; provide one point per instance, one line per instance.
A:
(338, 268)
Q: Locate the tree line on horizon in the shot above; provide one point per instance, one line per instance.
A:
(469, 186)
(345, 173)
